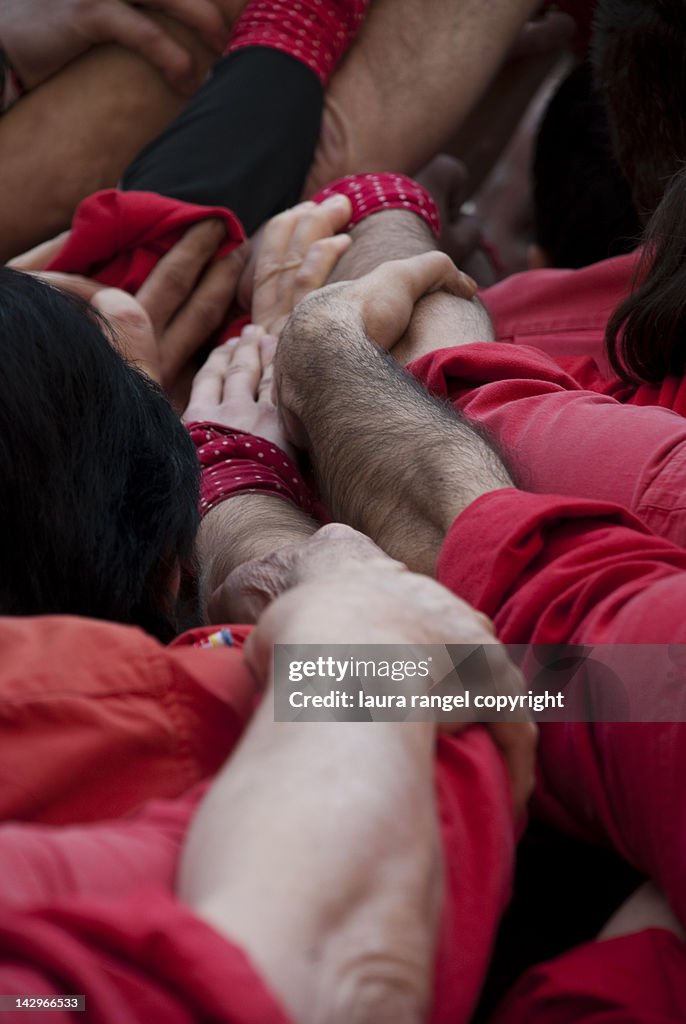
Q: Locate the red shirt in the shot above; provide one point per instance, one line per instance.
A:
(563, 312)
(581, 434)
(98, 718)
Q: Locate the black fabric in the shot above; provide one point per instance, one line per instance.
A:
(245, 141)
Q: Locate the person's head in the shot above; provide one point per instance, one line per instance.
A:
(582, 203)
(639, 57)
(646, 335)
(98, 478)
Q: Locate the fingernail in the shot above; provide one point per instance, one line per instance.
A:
(470, 281)
(336, 201)
(252, 331)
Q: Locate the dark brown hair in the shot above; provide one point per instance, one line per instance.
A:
(639, 59)
(646, 335)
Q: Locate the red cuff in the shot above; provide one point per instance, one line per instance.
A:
(235, 462)
(372, 193)
(490, 546)
(315, 32)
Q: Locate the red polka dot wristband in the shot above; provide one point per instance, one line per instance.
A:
(234, 462)
(315, 32)
(371, 193)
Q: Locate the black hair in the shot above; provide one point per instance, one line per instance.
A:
(639, 58)
(646, 335)
(582, 203)
(98, 478)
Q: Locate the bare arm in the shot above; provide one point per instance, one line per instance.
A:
(416, 71)
(440, 320)
(332, 884)
(392, 461)
(77, 132)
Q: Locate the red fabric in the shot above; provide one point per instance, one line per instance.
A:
(96, 718)
(635, 979)
(114, 868)
(372, 193)
(563, 312)
(235, 462)
(97, 739)
(118, 237)
(315, 32)
(559, 437)
(553, 570)
(161, 965)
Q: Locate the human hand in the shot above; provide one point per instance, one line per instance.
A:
(339, 587)
(297, 251)
(177, 309)
(378, 306)
(382, 302)
(188, 296)
(234, 387)
(41, 36)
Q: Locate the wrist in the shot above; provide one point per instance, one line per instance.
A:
(243, 528)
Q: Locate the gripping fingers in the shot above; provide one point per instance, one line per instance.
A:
(318, 265)
(174, 278)
(204, 312)
(429, 272)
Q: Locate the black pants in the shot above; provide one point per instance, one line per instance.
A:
(245, 141)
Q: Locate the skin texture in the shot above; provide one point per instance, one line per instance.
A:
(294, 255)
(175, 312)
(440, 319)
(82, 128)
(250, 546)
(645, 908)
(334, 338)
(415, 72)
(40, 39)
(361, 951)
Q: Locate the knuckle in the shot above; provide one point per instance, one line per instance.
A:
(386, 988)
(306, 276)
(133, 319)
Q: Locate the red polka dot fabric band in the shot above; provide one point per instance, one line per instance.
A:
(371, 193)
(235, 462)
(315, 32)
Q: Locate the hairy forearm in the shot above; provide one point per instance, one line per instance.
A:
(387, 235)
(79, 131)
(440, 320)
(392, 461)
(246, 526)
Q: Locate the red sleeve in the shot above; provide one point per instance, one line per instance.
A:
(553, 570)
(558, 438)
(635, 979)
(161, 965)
(97, 718)
(565, 570)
